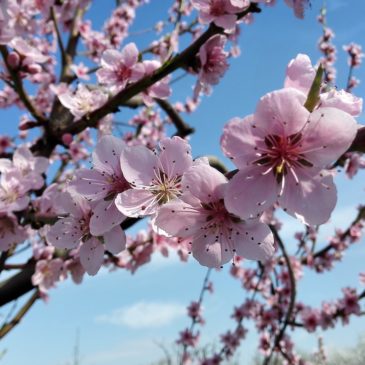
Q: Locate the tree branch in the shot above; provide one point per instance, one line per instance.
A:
(7, 327)
(183, 129)
(289, 313)
(19, 88)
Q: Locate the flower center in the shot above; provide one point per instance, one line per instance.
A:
(165, 188)
(282, 154)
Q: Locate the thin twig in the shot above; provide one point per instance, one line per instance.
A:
(203, 290)
(7, 327)
(289, 313)
(19, 88)
(59, 38)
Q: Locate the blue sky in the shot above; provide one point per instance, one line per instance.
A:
(121, 318)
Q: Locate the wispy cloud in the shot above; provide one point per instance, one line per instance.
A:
(144, 315)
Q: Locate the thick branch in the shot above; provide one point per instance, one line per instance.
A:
(21, 283)
(17, 285)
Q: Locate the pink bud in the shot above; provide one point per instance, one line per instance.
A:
(67, 139)
(13, 60)
(33, 68)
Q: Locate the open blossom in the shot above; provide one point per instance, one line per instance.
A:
(215, 234)
(13, 192)
(155, 180)
(81, 71)
(188, 339)
(281, 152)
(10, 232)
(47, 273)
(31, 54)
(221, 12)
(73, 231)
(119, 68)
(311, 318)
(101, 184)
(83, 101)
(30, 167)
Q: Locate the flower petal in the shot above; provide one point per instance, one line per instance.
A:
(105, 216)
(65, 233)
(249, 193)
(175, 157)
(179, 219)
(136, 203)
(106, 156)
(92, 255)
(255, 241)
(281, 112)
(239, 140)
(204, 182)
(138, 164)
(327, 136)
(91, 184)
(312, 200)
(115, 240)
(209, 252)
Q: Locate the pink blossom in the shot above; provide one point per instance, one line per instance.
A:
(31, 168)
(155, 180)
(213, 61)
(13, 191)
(221, 12)
(298, 6)
(188, 339)
(195, 312)
(47, 273)
(73, 230)
(31, 54)
(215, 234)
(5, 143)
(350, 302)
(119, 68)
(343, 100)
(102, 184)
(160, 89)
(83, 101)
(81, 71)
(11, 232)
(281, 151)
(300, 73)
(355, 54)
(76, 269)
(311, 319)
(7, 32)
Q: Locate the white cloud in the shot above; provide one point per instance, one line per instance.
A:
(144, 315)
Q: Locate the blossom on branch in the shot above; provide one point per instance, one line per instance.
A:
(201, 216)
